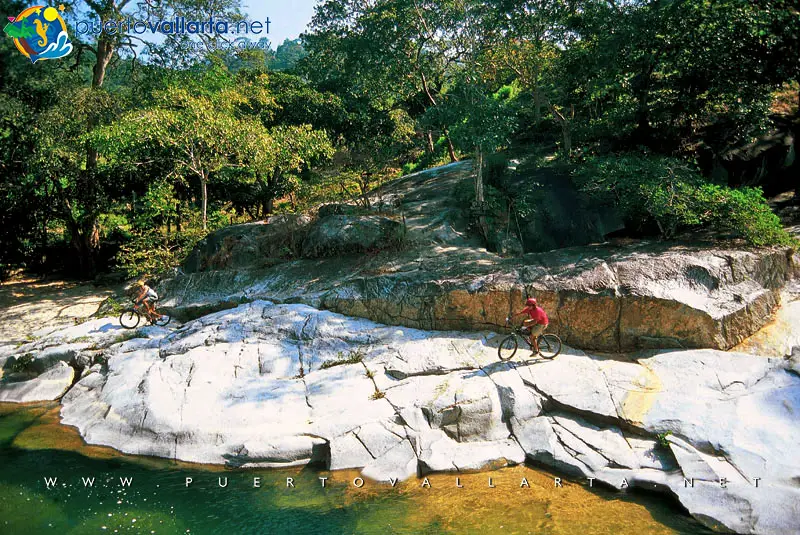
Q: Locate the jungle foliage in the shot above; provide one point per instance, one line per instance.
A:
(123, 157)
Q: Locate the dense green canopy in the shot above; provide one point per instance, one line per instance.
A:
(122, 153)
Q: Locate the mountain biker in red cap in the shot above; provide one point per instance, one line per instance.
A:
(537, 321)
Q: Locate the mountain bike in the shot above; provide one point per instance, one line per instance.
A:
(130, 318)
(549, 344)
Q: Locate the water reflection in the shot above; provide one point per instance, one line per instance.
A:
(98, 490)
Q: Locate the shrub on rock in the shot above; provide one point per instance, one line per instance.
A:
(672, 194)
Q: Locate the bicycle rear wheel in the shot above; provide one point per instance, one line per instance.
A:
(508, 348)
(129, 319)
(163, 320)
(549, 346)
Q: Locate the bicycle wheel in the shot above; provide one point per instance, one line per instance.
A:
(129, 319)
(508, 348)
(163, 320)
(549, 346)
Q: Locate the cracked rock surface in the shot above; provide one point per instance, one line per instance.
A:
(613, 298)
(269, 384)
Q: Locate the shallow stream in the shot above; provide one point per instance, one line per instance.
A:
(146, 495)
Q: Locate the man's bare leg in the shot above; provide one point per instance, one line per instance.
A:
(532, 337)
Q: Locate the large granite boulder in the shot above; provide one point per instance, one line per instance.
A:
(613, 298)
(252, 244)
(262, 385)
(44, 368)
(46, 386)
(721, 420)
(601, 298)
(346, 234)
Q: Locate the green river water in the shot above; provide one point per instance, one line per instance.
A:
(34, 446)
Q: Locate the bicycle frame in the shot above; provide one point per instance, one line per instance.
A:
(517, 331)
(141, 309)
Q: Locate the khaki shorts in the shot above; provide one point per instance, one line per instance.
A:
(535, 330)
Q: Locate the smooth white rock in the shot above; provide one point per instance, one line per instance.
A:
(48, 386)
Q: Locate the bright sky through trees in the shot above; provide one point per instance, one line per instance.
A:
(289, 17)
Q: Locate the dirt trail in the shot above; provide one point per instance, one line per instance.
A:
(28, 305)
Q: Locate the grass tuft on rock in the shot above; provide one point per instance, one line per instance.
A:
(128, 335)
(354, 357)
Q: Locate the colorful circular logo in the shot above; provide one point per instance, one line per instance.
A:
(40, 33)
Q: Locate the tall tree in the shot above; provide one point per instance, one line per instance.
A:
(199, 137)
(106, 47)
(414, 58)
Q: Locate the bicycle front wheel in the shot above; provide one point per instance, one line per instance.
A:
(129, 319)
(549, 346)
(508, 348)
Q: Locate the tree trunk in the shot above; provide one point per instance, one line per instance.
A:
(479, 194)
(537, 105)
(363, 184)
(85, 239)
(204, 193)
(480, 198)
(429, 141)
(85, 257)
(450, 149)
(537, 96)
(43, 240)
(566, 129)
(432, 100)
(272, 187)
(796, 162)
(105, 50)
